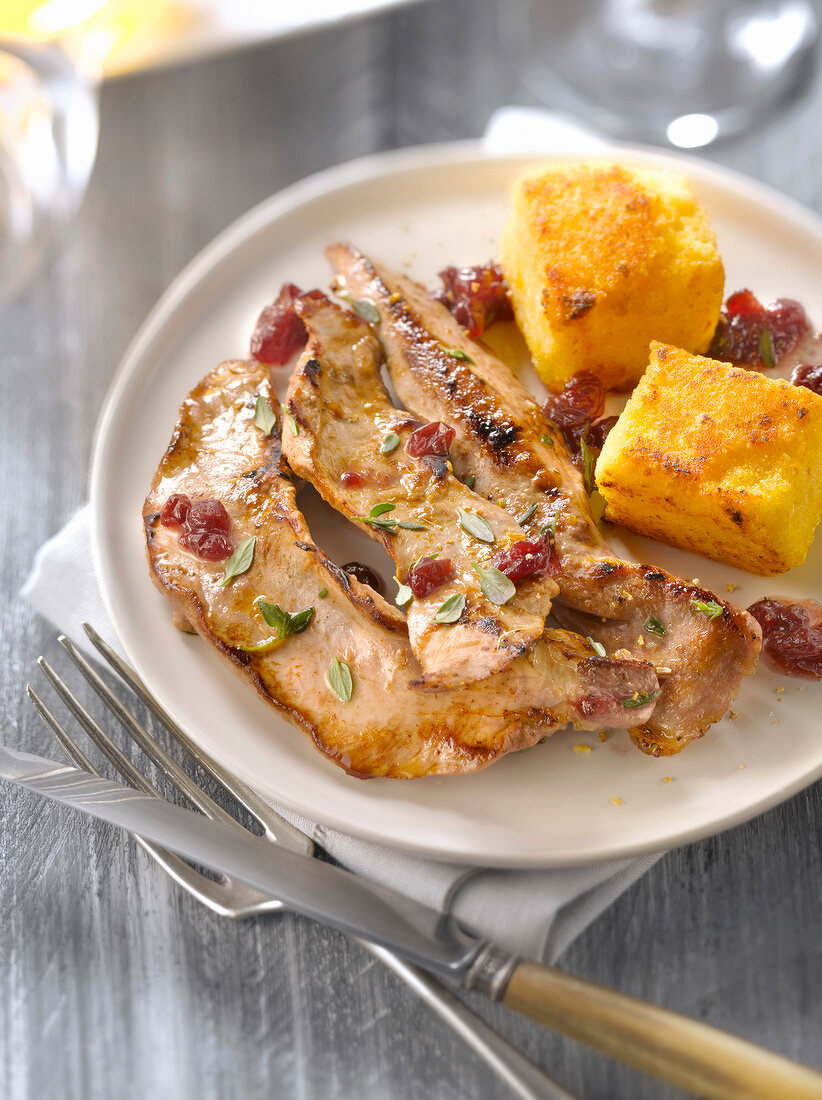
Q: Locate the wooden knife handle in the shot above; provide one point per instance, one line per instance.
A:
(701, 1059)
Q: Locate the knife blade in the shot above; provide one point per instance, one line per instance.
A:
(309, 886)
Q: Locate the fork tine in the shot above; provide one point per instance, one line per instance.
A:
(169, 767)
(275, 826)
(100, 738)
(73, 751)
(211, 892)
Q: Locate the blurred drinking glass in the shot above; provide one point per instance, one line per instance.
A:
(679, 72)
(48, 140)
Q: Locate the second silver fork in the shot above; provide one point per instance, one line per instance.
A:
(236, 900)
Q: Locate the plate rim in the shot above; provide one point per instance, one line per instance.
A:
(233, 237)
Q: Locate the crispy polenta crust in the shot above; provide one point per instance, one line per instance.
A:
(719, 460)
(601, 259)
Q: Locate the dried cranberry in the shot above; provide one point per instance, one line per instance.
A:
(431, 439)
(598, 432)
(352, 479)
(808, 375)
(209, 545)
(791, 635)
(528, 558)
(280, 332)
(208, 515)
(175, 511)
(739, 334)
(581, 402)
(428, 574)
(476, 296)
(596, 704)
(364, 575)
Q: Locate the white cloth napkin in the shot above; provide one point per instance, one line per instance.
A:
(534, 913)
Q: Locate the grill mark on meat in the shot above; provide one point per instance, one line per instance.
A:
(345, 413)
(387, 729)
(600, 595)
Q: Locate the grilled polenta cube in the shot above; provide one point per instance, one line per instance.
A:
(719, 460)
(601, 259)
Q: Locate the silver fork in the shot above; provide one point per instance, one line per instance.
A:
(234, 899)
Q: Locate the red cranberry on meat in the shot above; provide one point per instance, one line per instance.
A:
(791, 635)
(476, 296)
(175, 511)
(280, 333)
(206, 528)
(208, 545)
(431, 439)
(352, 479)
(428, 574)
(528, 558)
(364, 575)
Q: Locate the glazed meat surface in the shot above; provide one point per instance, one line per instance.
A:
(387, 728)
(518, 459)
(343, 415)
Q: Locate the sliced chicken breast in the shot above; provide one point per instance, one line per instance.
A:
(518, 460)
(342, 417)
(386, 727)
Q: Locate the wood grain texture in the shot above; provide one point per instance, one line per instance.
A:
(112, 983)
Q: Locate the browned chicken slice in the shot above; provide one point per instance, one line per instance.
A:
(342, 416)
(386, 728)
(505, 442)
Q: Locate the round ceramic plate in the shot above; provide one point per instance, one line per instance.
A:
(421, 210)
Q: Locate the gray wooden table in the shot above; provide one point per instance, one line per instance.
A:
(112, 983)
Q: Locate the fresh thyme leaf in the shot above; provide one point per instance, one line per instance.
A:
(471, 481)
(323, 593)
(406, 526)
(597, 647)
(264, 418)
(476, 526)
(640, 699)
(240, 561)
(284, 622)
(766, 348)
(497, 587)
(547, 439)
(588, 464)
(381, 509)
(550, 529)
(653, 625)
(451, 610)
(389, 525)
(390, 443)
(709, 608)
(526, 515)
(403, 595)
(367, 310)
(340, 680)
(292, 423)
(457, 353)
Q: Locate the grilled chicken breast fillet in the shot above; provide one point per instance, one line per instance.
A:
(387, 728)
(517, 459)
(342, 415)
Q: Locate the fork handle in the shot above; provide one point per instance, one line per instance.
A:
(694, 1056)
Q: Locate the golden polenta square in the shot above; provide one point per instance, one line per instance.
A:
(718, 460)
(602, 258)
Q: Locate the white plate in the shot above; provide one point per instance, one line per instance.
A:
(421, 210)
